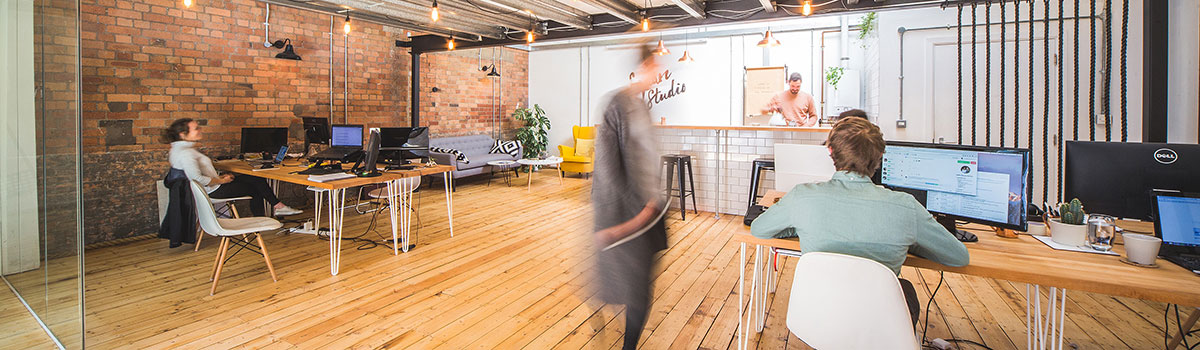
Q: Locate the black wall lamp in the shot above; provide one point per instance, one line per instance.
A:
(288, 52)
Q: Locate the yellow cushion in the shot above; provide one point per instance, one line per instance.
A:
(576, 159)
(584, 147)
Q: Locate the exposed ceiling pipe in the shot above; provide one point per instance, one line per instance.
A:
(374, 18)
(267, 28)
(463, 22)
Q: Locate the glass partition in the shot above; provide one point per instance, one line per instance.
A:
(40, 204)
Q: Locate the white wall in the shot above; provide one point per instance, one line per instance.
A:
(18, 188)
(1184, 73)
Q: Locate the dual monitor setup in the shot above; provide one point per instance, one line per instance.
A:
(992, 186)
(393, 146)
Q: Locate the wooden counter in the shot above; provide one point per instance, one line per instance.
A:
(748, 128)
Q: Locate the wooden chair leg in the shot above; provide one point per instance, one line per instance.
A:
(233, 209)
(220, 248)
(199, 236)
(267, 258)
(220, 264)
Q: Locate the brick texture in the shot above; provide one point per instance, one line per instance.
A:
(145, 63)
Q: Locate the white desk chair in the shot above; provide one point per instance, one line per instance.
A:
(225, 228)
(403, 192)
(230, 211)
(846, 302)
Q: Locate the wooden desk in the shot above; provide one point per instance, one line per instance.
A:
(399, 194)
(1024, 259)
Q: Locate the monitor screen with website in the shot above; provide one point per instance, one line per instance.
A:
(263, 140)
(985, 185)
(1178, 221)
(347, 136)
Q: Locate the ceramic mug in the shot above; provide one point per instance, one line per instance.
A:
(1140, 248)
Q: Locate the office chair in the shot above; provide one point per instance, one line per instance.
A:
(230, 211)
(845, 302)
(226, 228)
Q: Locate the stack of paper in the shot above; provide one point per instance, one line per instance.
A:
(329, 177)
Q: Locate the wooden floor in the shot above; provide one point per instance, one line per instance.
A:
(19, 329)
(515, 275)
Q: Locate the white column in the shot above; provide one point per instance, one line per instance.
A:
(19, 244)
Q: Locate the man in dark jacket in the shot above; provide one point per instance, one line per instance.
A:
(627, 200)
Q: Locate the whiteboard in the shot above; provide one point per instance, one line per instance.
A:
(761, 84)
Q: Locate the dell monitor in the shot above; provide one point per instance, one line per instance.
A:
(405, 143)
(347, 136)
(984, 185)
(1117, 178)
(316, 130)
(263, 140)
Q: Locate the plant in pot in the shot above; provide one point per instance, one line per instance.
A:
(1069, 227)
(534, 136)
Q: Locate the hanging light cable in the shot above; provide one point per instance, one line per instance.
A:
(346, 25)
(686, 57)
(806, 7)
(434, 13)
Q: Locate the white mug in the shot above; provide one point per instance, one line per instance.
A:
(1140, 248)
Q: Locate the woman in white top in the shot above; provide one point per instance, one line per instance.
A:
(183, 135)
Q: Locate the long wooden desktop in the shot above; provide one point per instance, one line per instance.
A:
(335, 193)
(1021, 259)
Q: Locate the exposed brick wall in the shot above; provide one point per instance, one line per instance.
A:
(464, 101)
(148, 62)
(55, 70)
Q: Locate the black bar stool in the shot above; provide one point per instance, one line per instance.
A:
(760, 165)
(681, 162)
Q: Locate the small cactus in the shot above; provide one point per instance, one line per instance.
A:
(1071, 213)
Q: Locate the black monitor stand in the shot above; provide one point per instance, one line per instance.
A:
(952, 227)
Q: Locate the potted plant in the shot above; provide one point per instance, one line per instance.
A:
(833, 75)
(1069, 227)
(534, 136)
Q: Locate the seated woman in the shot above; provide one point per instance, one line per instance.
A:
(183, 135)
(851, 215)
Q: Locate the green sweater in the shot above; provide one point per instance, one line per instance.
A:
(850, 215)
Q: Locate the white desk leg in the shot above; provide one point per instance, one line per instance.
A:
(448, 180)
(759, 293)
(391, 197)
(407, 193)
(317, 211)
(741, 333)
(336, 197)
(1043, 328)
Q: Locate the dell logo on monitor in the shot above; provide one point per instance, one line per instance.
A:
(1165, 156)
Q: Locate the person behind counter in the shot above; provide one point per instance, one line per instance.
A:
(797, 107)
(851, 215)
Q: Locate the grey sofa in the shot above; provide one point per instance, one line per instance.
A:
(475, 147)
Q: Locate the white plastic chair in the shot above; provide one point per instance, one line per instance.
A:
(845, 302)
(227, 228)
(218, 203)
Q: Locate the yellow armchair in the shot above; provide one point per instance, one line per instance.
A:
(578, 157)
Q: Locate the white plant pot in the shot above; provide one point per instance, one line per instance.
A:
(1072, 235)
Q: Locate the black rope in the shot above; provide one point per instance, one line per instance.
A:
(974, 84)
(1003, 54)
(1075, 70)
(1061, 135)
(1032, 72)
(987, 79)
(1106, 105)
(960, 76)
(1124, 70)
(1016, 75)
(1092, 77)
(1046, 104)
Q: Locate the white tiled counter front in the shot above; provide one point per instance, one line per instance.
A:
(722, 159)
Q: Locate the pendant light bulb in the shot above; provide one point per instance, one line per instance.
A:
(806, 7)
(661, 49)
(450, 44)
(346, 25)
(686, 57)
(434, 14)
(529, 37)
(768, 40)
(645, 24)
(187, 3)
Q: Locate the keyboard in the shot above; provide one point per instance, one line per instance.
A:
(1190, 262)
(336, 153)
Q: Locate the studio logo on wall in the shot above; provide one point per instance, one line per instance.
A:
(661, 90)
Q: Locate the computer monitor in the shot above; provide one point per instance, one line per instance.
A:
(1117, 178)
(316, 130)
(369, 168)
(1178, 221)
(347, 136)
(985, 185)
(263, 140)
(405, 143)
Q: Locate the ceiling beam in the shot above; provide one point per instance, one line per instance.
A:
(692, 7)
(767, 5)
(540, 11)
(617, 8)
(419, 15)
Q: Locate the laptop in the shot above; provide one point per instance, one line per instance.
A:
(268, 164)
(1177, 222)
(345, 140)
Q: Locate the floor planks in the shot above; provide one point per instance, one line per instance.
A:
(515, 275)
